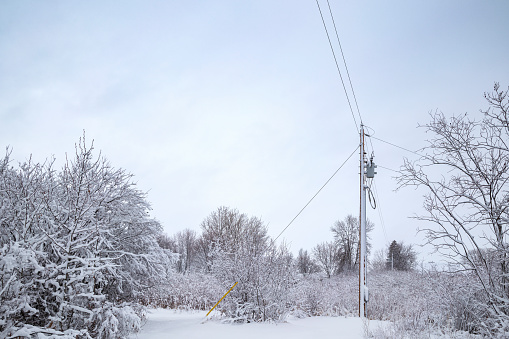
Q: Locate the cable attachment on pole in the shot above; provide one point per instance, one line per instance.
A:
(371, 198)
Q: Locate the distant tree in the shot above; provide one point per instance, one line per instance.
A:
(185, 244)
(326, 256)
(400, 257)
(167, 242)
(204, 254)
(346, 237)
(305, 263)
(379, 260)
(227, 230)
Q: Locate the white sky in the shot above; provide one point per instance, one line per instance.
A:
(238, 103)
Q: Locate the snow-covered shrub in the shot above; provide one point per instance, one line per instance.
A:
(317, 295)
(427, 302)
(404, 297)
(116, 321)
(415, 302)
(75, 246)
(264, 282)
(194, 291)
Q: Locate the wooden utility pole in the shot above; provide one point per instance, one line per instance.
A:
(362, 230)
(367, 171)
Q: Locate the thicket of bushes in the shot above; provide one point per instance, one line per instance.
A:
(416, 303)
(78, 251)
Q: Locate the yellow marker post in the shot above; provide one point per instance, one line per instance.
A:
(221, 298)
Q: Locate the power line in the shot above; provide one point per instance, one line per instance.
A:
(403, 148)
(355, 99)
(337, 66)
(344, 61)
(382, 221)
(389, 169)
(332, 176)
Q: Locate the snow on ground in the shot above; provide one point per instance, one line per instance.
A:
(163, 323)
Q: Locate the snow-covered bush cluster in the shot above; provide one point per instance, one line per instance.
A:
(316, 295)
(231, 248)
(415, 302)
(78, 250)
(264, 284)
(194, 291)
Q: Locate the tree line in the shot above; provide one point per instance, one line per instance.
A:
(228, 230)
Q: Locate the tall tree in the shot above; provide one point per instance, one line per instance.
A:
(465, 171)
(236, 248)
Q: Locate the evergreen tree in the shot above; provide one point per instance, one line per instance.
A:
(400, 257)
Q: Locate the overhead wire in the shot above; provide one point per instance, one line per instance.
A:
(347, 98)
(389, 169)
(344, 61)
(314, 196)
(380, 215)
(337, 66)
(376, 196)
(403, 148)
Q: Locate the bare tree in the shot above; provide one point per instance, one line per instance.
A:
(326, 256)
(346, 237)
(465, 173)
(379, 260)
(305, 263)
(229, 231)
(223, 228)
(186, 243)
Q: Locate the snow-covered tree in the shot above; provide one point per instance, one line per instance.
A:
(235, 248)
(185, 244)
(305, 263)
(78, 249)
(326, 256)
(229, 231)
(465, 172)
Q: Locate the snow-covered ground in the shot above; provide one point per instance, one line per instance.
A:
(163, 323)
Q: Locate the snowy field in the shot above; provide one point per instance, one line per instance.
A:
(163, 323)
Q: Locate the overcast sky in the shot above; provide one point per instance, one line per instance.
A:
(238, 103)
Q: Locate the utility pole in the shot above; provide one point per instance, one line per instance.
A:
(362, 230)
(367, 171)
